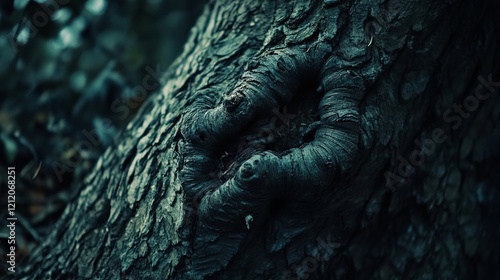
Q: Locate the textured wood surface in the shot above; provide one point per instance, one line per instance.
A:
(330, 198)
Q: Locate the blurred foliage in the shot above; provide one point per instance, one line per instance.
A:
(70, 74)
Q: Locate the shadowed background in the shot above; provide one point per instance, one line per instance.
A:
(72, 74)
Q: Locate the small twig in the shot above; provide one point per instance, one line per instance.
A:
(371, 40)
(37, 170)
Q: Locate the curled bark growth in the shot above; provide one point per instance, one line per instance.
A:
(231, 208)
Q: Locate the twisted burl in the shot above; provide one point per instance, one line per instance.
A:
(231, 209)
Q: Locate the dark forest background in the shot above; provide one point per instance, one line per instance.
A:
(72, 73)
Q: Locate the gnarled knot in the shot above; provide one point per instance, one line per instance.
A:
(232, 101)
(296, 173)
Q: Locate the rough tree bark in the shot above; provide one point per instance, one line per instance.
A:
(303, 139)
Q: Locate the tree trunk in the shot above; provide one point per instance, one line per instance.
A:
(303, 140)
